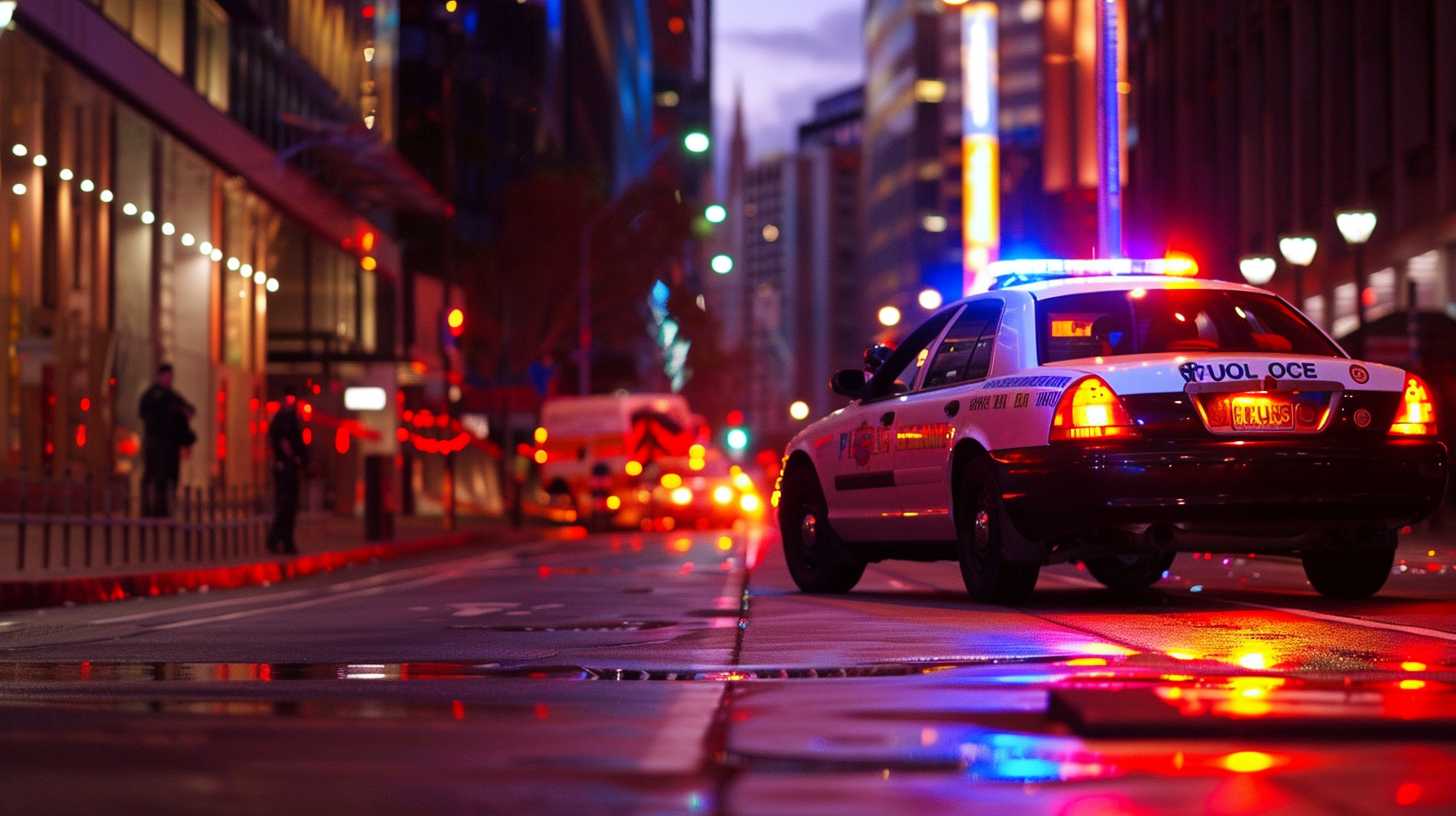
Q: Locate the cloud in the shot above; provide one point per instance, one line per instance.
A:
(836, 38)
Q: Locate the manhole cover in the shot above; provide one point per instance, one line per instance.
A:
(580, 626)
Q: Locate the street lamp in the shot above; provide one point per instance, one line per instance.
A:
(1355, 227)
(889, 316)
(799, 410)
(1299, 251)
(1258, 270)
(929, 299)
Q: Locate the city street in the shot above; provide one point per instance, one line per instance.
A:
(681, 673)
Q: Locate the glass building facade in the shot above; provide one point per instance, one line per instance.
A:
(129, 240)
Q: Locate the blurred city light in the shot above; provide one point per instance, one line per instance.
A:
(1355, 225)
(272, 285)
(1298, 249)
(737, 439)
(889, 316)
(455, 320)
(929, 299)
(697, 142)
(715, 213)
(7, 11)
(722, 264)
(1258, 270)
(799, 410)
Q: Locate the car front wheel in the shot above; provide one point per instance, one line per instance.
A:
(817, 558)
(981, 531)
(1351, 565)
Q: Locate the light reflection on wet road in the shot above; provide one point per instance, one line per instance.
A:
(658, 673)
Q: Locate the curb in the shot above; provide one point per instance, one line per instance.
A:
(103, 588)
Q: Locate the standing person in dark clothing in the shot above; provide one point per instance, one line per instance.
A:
(165, 416)
(290, 456)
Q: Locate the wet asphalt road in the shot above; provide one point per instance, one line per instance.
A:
(682, 673)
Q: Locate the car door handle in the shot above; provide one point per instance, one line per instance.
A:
(952, 408)
(887, 419)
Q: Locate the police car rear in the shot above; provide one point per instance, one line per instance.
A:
(1210, 407)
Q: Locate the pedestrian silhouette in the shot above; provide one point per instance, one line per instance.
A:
(166, 419)
(290, 456)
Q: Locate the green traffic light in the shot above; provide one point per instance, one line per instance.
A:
(715, 213)
(696, 141)
(722, 264)
(737, 439)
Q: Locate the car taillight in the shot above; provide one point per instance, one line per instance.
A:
(1416, 414)
(1090, 409)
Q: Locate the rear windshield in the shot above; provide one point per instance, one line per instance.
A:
(1146, 321)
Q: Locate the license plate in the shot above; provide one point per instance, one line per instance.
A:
(1261, 414)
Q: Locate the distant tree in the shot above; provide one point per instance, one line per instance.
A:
(523, 288)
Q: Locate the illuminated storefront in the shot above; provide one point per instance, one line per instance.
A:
(142, 223)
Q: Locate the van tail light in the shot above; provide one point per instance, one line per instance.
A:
(1090, 409)
(1416, 413)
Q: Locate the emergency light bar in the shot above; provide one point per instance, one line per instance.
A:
(1014, 273)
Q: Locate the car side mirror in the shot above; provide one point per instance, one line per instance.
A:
(875, 356)
(848, 382)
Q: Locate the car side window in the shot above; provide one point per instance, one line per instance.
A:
(965, 353)
(892, 377)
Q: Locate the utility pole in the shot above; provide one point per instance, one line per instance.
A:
(1109, 131)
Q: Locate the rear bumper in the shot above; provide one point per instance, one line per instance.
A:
(1219, 485)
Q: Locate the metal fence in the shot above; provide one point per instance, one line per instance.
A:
(48, 524)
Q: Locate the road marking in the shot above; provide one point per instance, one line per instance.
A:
(185, 608)
(248, 613)
(1418, 631)
(1364, 623)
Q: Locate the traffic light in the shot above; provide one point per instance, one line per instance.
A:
(736, 436)
(722, 263)
(715, 213)
(455, 321)
(697, 142)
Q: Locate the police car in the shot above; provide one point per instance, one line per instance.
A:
(1113, 412)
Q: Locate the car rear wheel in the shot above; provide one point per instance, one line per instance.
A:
(1351, 565)
(817, 558)
(1129, 572)
(981, 531)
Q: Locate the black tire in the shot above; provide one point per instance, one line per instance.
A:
(818, 559)
(1130, 573)
(1351, 565)
(981, 531)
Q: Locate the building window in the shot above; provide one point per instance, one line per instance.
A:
(212, 53)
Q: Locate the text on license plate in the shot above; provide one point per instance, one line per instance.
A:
(1261, 414)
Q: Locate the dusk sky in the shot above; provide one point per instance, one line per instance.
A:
(784, 53)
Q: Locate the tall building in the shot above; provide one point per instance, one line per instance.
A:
(1259, 120)
(185, 183)
(837, 319)
(911, 200)
(800, 268)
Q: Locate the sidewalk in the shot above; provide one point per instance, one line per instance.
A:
(325, 543)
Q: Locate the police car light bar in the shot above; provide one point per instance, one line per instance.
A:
(1012, 273)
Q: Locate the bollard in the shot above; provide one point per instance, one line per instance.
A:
(90, 502)
(106, 517)
(20, 530)
(45, 535)
(211, 521)
(67, 503)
